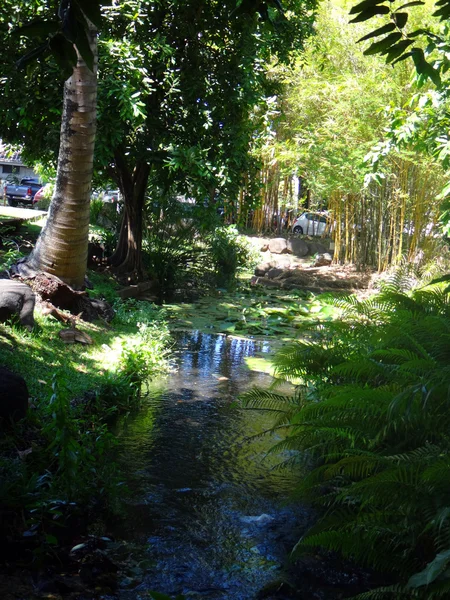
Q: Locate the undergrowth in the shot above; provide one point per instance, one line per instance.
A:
(372, 416)
(58, 462)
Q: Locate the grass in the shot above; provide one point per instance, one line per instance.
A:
(75, 390)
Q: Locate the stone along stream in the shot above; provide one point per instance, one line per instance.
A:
(209, 510)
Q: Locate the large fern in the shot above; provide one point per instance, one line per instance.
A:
(373, 414)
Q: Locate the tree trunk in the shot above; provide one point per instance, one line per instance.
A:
(63, 244)
(127, 258)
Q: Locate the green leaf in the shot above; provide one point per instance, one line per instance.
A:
(51, 539)
(83, 47)
(38, 28)
(424, 68)
(365, 4)
(368, 14)
(400, 19)
(400, 58)
(440, 279)
(31, 55)
(158, 596)
(408, 4)
(92, 10)
(380, 31)
(64, 53)
(398, 49)
(431, 571)
(417, 32)
(443, 12)
(384, 44)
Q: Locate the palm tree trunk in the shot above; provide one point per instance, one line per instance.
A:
(63, 244)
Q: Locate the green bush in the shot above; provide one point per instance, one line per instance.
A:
(231, 254)
(95, 209)
(174, 244)
(372, 414)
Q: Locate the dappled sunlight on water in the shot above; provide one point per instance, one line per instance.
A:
(207, 500)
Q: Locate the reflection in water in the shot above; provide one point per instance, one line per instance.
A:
(209, 505)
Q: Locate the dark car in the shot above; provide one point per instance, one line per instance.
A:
(24, 192)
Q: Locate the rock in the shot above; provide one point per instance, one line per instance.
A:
(103, 308)
(297, 247)
(278, 246)
(274, 272)
(17, 298)
(262, 269)
(133, 291)
(72, 335)
(316, 248)
(323, 260)
(13, 396)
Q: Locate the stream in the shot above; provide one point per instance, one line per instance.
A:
(209, 510)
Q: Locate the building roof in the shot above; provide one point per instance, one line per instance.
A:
(10, 158)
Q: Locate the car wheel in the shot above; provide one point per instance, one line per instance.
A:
(11, 201)
(298, 229)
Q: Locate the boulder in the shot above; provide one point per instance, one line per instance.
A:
(103, 308)
(323, 260)
(273, 273)
(278, 246)
(17, 298)
(265, 281)
(317, 248)
(297, 247)
(262, 269)
(133, 291)
(13, 396)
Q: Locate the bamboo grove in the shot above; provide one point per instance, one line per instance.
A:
(325, 148)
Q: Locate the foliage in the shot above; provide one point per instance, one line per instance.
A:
(65, 447)
(174, 242)
(231, 254)
(337, 108)
(372, 416)
(95, 210)
(397, 42)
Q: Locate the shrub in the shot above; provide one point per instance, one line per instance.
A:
(373, 415)
(95, 209)
(174, 243)
(231, 254)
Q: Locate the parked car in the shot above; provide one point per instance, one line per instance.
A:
(111, 196)
(24, 192)
(42, 194)
(310, 223)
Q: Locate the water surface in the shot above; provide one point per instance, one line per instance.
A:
(209, 507)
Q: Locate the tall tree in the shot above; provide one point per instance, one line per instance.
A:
(178, 84)
(63, 244)
(71, 39)
(186, 102)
